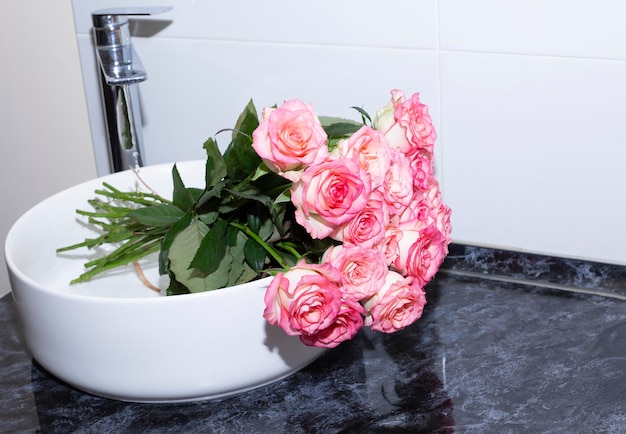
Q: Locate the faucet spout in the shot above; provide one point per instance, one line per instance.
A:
(121, 70)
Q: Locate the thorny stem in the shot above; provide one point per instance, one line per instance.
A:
(108, 263)
(289, 247)
(138, 240)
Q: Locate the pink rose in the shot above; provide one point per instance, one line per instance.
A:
(444, 224)
(421, 252)
(384, 119)
(347, 323)
(411, 129)
(362, 270)
(398, 304)
(367, 227)
(330, 194)
(290, 138)
(303, 300)
(423, 170)
(370, 149)
(433, 211)
(421, 209)
(390, 246)
(439, 213)
(432, 194)
(413, 117)
(398, 186)
(427, 207)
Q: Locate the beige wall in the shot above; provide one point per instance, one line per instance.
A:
(44, 131)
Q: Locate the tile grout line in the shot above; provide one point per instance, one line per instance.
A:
(526, 282)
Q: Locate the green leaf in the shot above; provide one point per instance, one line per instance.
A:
(336, 131)
(211, 193)
(283, 197)
(364, 115)
(255, 255)
(168, 239)
(175, 287)
(241, 158)
(157, 215)
(260, 171)
(338, 127)
(215, 164)
(247, 121)
(208, 218)
(254, 221)
(183, 251)
(195, 193)
(252, 194)
(182, 198)
(240, 271)
(211, 250)
(184, 247)
(267, 228)
(278, 212)
(246, 275)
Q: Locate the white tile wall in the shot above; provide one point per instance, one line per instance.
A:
(532, 149)
(527, 96)
(397, 23)
(334, 78)
(571, 28)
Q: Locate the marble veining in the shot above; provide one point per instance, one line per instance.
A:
(487, 356)
(607, 279)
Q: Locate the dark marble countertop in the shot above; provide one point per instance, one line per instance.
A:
(508, 342)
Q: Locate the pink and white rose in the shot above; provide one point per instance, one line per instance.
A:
(347, 323)
(385, 119)
(370, 149)
(330, 194)
(367, 227)
(423, 170)
(411, 128)
(390, 246)
(362, 270)
(444, 222)
(422, 249)
(423, 207)
(428, 208)
(398, 304)
(290, 138)
(398, 186)
(304, 300)
(413, 118)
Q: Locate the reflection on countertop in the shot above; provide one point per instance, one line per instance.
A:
(509, 342)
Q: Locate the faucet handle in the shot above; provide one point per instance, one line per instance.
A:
(117, 15)
(119, 62)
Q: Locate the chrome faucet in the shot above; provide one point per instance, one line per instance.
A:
(120, 72)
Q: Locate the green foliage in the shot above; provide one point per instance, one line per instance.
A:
(238, 226)
(337, 128)
(241, 159)
(365, 117)
(215, 164)
(168, 240)
(211, 248)
(157, 215)
(182, 197)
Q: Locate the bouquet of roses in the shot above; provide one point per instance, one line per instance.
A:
(347, 216)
